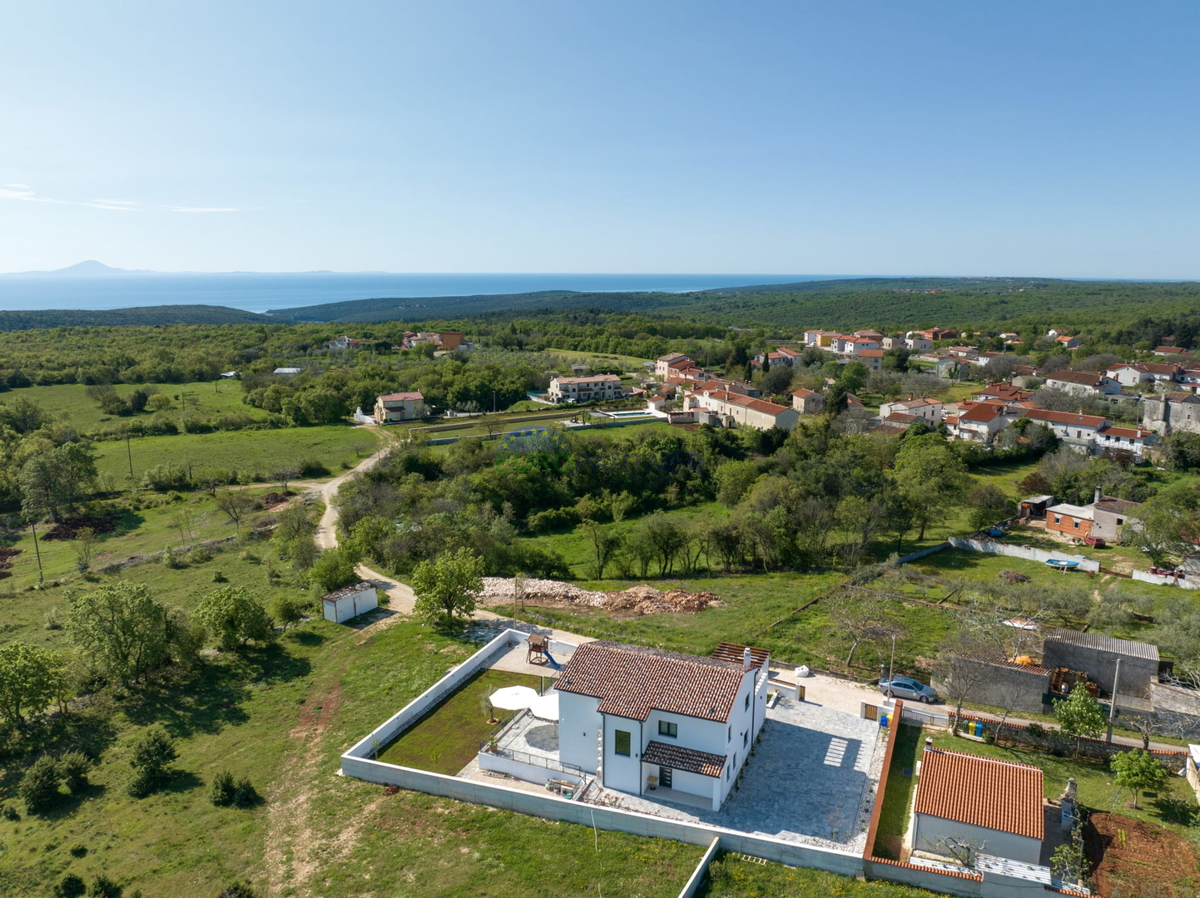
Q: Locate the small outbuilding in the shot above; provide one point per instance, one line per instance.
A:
(1098, 656)
(350, 601)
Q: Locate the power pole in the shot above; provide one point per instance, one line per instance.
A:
(129, 453)
(37, 551)
(1112, 705)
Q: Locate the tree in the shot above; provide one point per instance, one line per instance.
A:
(124, 631)
(1170, 522)
(30, 678)
(151, 760)
(334, 568)
(862, 614)
(73, 769)
(53, 482)
(667, 538)
(988, 505)
(448, 586)
(1079, 715)
(235, 504)
(605, 544)
(39, 786)
(286, 611)
(1138, 771)
(930, 476)
(234, 617)
(959, 673)
(84, 546)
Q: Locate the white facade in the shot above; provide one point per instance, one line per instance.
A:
(584, 389)
(930, 833)
(350, 602)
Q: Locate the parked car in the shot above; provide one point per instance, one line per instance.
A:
(908, 688)
(1096, 542)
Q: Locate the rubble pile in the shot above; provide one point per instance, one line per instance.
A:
(634, 601)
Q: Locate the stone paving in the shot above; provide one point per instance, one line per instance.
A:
(812, 779)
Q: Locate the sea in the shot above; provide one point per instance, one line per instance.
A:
(265, 292)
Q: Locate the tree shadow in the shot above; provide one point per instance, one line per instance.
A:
(127, 521)
(182, 781)
(68, 804)
(308, 637)
(204, 703)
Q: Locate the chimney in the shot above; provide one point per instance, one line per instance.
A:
(1096, 496)
(746, 658)
(910, 396)
(928, 743)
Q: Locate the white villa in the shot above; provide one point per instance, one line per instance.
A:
(584, 389)
(643, 719)
(399, 407)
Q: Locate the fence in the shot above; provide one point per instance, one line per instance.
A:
(1160, 580)
(1028, 552)
(692, 886)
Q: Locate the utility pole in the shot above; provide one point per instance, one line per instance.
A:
(37, 551)
(129, 453)
(1112, 705)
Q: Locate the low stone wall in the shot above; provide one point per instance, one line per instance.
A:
(997, 548)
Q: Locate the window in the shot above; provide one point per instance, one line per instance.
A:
(667, 728)
(1058, 519)
(622, 743)
(1120, 521)
(747, 701)
(745, 738)
(729, 738)
(1075, 524)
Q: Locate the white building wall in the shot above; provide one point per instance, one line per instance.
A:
(929, 830)
(621, 772)
(578, 730)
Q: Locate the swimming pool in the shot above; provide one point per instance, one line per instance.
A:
(640, 413)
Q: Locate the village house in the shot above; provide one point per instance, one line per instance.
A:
(808, 402)
(1005, 393)
(731, 409)
(1170, 351)
(917, 343)
(893, 343)
(592, 388)
(855, 346)
(1066, 342)
(820, 339)
(1124, 439)
(969, 353)
(933, 334)
(1073, 429)
(990, 806)
(929, 409)
(781, 356)
(393, 407)
(1189, 379)
(1104, 518)
(872, 358)
(1083, 383)
(673, 361)
(1142, 372)
(344, 342)
(643, 719)
(979, 422)
(1172, 412)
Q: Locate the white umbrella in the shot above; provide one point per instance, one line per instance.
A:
(545, 707)
(513, 698)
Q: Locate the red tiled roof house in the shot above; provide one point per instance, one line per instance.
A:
(645, 719)
(399, 407)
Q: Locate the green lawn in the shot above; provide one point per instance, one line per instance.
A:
(893, 819)
(254, 454)
(141, 530)
(733, 876)
(281, 716)
(598, 359)
(447, 738)
(205, 400)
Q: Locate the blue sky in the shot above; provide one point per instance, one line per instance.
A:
(1058, 139)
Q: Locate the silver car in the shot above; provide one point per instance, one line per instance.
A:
(908, 688)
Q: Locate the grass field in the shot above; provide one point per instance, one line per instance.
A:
(893, 819)
(254, 454)
(281, 716)
(598, 359)
(734, 876)
(447, 738)
(204, 400)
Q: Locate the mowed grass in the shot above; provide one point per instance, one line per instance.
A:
(734, 876)
(203, 399)
(447, 738)
(893, 819)
(255, 455)
(281, 716)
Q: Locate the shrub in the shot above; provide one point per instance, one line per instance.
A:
(70, 886)
(39, 785)
(73, 767)
(200, 555)
(240, 889)
(10, 812)
(553, 519)
(285, 611)
(244, 794)
(221, 790)
(171, 559)
(312, 467)
(78, 851)
(103, 887)
(218, 577)
(1035, 729)
(152, 756)
(167, 477)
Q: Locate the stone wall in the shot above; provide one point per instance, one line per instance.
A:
(1025, 690)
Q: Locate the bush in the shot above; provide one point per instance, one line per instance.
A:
(166, 477)
(103, 887)
(240, 889)
(70, 886)
(312, 467)
(221, 790)
(10, 812)
(553, 519)
(200, 555)
(74, 767)
(285, 611)
(171, 559)
(1035, 729)
(152, 756)
(39, 785)
(244, 794)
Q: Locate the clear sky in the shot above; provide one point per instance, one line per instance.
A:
(1026, 138)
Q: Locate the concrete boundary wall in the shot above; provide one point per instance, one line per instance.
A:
(1031, 554)
(1159, 580)
(921, 553)
(692, 886)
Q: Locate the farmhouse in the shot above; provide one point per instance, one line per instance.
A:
(978, 422)
(672, 362)
(808, 402)
(1082, 383)
(1144, 372)
(994, 806)
(645, 719)
(872, 358)
(736, 409)
(929, 409)
(399, 407)
(1078, 431)
(584, 389)
(1170, 413)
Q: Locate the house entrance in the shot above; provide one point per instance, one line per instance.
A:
(664, 777)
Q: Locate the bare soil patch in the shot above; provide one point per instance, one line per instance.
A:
(1133, 859)
(69, 529)
(633, 602)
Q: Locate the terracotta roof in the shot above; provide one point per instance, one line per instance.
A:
(982, 792)
(1004, 392)
(902, 418)
(1071, 418)
(401, 397)
(1105, 643)
(687, 759)
(1029, 668)
(756, 405)
(1083, 378)
(871, 353)
(632, 680)
(802, 393)
(734, 653)
(1180, 396)
(1149, 368)
(1126, 432)
(982, 412)
(671, 356)
(1118, 506)
(1174, 349)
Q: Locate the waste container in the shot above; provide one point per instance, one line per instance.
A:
(884, 719)
(979, 728)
